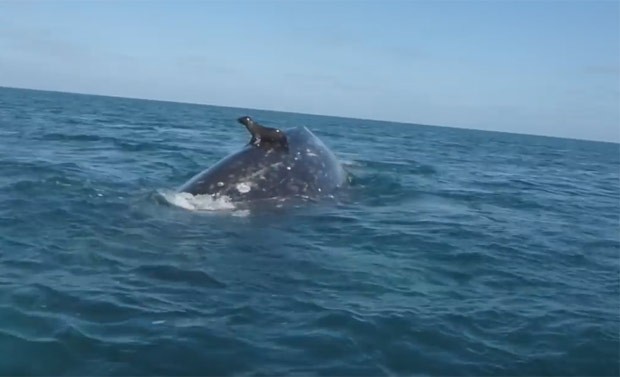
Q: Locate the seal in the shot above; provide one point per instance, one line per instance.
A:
(274, 164)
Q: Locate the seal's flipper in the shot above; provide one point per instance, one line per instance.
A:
(262, 134)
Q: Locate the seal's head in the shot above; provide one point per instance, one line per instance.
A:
(245, 120)
(261, 134)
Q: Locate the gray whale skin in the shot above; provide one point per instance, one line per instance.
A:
(274, 164)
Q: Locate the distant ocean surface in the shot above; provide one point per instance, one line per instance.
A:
(454, 252)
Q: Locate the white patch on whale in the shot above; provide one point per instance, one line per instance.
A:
(260, 173)
(243, 188)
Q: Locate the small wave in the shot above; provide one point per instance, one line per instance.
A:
(350, 163)
(59, 136)
(175, 274)
(197, 202)
(397, 166)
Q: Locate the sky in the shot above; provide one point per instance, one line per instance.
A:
(534, 67)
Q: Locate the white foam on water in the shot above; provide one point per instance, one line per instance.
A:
(198, 202)
(350, 163)
(241, 213)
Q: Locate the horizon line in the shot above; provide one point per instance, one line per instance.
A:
(311, 114)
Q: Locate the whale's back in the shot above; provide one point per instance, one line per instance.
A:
(305, 167)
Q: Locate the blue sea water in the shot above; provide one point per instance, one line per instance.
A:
(454, 252)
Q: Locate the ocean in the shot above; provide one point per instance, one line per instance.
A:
(453, 252)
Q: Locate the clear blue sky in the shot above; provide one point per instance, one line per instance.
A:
(540, 67)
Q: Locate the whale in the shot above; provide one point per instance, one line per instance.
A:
(274, 164)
